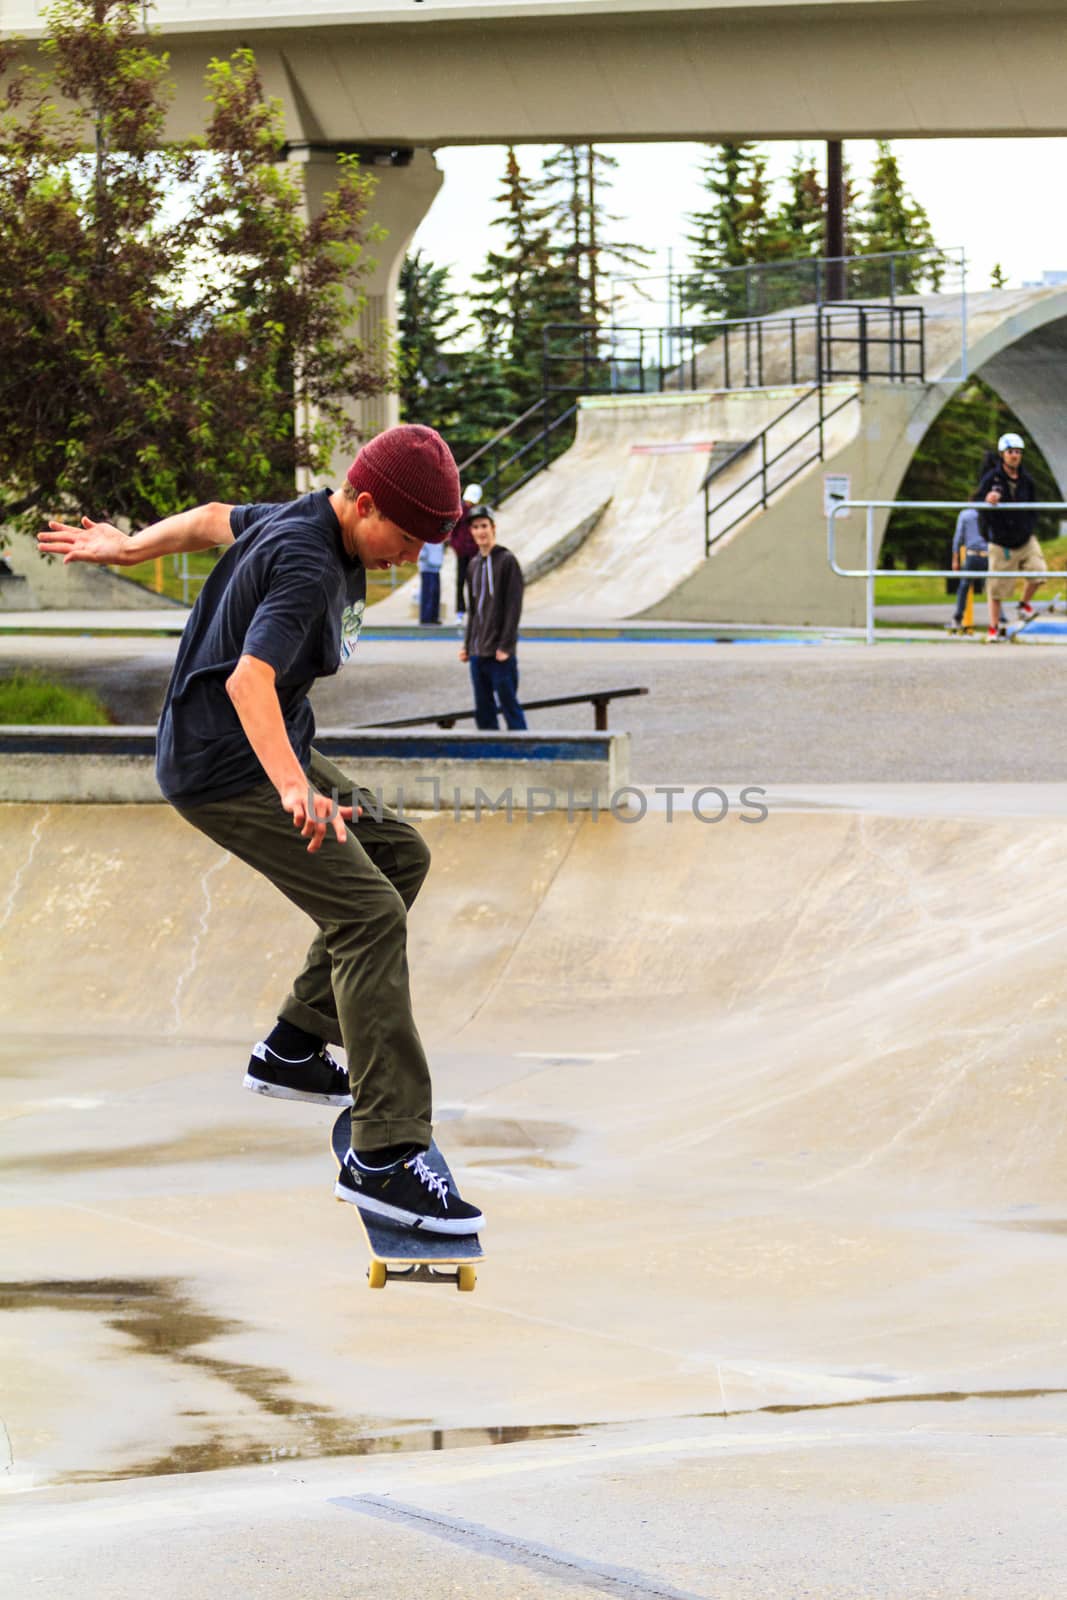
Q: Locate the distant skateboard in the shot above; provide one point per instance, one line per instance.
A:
(409, 1253)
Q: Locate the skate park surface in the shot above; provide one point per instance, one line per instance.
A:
(767, 1120)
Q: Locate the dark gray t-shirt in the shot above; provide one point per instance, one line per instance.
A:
(286, 592)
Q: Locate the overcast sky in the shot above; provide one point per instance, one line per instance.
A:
(998, 198)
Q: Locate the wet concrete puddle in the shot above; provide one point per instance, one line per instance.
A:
(163, 1322)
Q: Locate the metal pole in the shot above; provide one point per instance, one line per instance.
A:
(864, 358)
(835, 219)
(963, 315)
(870, 570)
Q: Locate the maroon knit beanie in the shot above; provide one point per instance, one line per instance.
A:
(411, 475)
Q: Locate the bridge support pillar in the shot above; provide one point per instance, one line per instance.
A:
(408, 181)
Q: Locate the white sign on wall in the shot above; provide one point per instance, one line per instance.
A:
(836, 486)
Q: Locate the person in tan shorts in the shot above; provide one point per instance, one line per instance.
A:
(1013, 545)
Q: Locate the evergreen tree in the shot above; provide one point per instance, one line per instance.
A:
(485, 403)
(577, 178)
(737, 230)
(464, 393)
(998, 278)
(802, 214)
(427, 313)
(522, 283)
(892, 220)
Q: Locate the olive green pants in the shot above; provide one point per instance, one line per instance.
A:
(354, 988)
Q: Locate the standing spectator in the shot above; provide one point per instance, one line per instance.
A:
(463, 544)
(431, 558)
(970, 554)
(1013, 546)
(493, 626)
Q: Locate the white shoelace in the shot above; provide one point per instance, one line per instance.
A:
(427, 1176)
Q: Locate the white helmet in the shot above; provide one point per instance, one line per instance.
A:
(1010, 441)
(472, 493)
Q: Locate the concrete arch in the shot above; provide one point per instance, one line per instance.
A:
(1017, 344)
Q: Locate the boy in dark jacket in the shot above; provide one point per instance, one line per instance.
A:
(1013, 546)
(496, 589)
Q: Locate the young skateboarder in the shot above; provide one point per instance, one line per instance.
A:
(283, 607)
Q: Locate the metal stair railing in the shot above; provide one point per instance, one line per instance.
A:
(767, 462)
(540, 443)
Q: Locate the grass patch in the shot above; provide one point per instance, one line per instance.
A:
(931, 591)
(909, 591)
(26, 697)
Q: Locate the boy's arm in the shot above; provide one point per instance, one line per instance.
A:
(106, 546)
(509, 626)
(251, 688)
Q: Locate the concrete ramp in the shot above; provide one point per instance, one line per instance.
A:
(761, 1115)
(551, 519)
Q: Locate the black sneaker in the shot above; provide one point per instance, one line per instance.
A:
(316, 1077)
(409, 1194)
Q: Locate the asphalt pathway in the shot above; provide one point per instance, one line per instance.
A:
(944, 711)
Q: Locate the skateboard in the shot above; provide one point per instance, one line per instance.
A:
(406, 1253)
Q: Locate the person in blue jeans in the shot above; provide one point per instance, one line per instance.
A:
(431, 557)
(970, 555)
(489, 645)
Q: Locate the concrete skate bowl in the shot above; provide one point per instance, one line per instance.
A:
(761, 1115)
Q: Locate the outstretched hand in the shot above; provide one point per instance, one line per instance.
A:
(313, 813)
(98, 542)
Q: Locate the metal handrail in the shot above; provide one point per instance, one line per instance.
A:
(502, 433)
(870, 572)
(540, 441)
(761, 472)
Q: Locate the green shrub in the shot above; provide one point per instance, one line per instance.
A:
(26, 697)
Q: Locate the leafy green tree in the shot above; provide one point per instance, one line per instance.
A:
(998, 278)
(947, 466)
(156, 354)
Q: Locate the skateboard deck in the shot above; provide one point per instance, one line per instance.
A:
(407, 1253)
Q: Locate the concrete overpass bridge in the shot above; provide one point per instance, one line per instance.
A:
(398, 79)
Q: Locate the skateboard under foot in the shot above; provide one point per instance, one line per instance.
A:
(406, 1254)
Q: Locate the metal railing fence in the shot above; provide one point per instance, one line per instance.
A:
(870, 572)
(837, 342)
